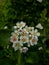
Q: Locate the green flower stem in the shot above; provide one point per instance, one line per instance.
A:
(19, 58)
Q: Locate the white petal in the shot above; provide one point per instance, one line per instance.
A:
(39, 26)
(36, 38)
(12, 33)
(32, 44)
(36, 30)
(15, 48)
(35, 43)
(14, 44)
(39, 0)
(38, 34)
(32, 28)
(24, 49)
(15, 27)
(28, 44)
(40, 48)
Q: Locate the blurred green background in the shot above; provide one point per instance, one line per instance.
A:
(32, 12)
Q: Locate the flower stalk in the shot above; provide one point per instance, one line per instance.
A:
(19, 58)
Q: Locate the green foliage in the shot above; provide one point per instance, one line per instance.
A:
(32, 12)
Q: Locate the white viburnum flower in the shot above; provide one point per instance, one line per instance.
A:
(24, 50)
(39, 1)
(39, 26)
(13, 39)
(15, 33)
(24, 35)
(24, 39)
(28, 29)
(20, 24)
(35, 33)
(17, 46)
(33, 41)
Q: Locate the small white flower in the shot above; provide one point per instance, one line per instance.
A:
(17, 46)
(40, 48)
(24, 39)
(5, 27)
(20, 24)
(28, 29)
(24, 33)
(35, 33)
(24, 50)
(33, 41)
(39, 1)
(39, 26)
(15, 34)
(13, 39)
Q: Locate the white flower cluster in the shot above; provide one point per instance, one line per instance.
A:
(24, 37)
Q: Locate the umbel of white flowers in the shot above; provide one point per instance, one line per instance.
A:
(23, 37)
